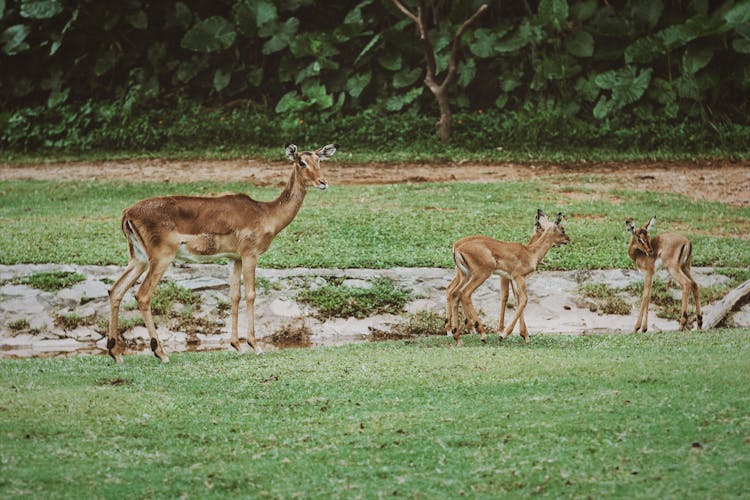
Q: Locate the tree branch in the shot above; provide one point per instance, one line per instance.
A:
(456, 41)
(406, 12)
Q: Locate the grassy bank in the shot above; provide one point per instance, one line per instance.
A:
(629, 416)
(377, 226)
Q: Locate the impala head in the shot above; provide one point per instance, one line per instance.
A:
(543, 225)
(308, 162)
(640, 239)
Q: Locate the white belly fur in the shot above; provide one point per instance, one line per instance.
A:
(184, 254)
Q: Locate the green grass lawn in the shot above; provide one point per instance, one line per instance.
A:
(377, 226)
(657, 416)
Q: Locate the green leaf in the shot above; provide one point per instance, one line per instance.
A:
(265, 12)
(312, 69)
(210, 35)
(553, 13)
(693, 60)
(390, 61)
(583, 11)
(354, 16)
(317, 95)
(374, 40)
(646, 11)
(406, 77)
(255, 76)
(580, 44)
(357, 83)
(467, 70)
(741, 45)
(138, 20)
(397, 102)
(602, 108)
(183, 16)
(522, 37)
(57, 97)
(290, 102)
(501, 101)
(13, 39)
(282, 36)
(106, 60)
(483, 43)
(222, 78)
(2, 8)
(40, 9)
(738, 15)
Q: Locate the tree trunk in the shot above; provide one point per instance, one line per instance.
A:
(444, 124)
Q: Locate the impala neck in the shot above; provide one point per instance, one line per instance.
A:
(285, 207)
(540, 247)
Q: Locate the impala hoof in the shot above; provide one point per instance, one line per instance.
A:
(235, 345)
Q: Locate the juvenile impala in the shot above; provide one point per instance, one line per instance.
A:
(478, 257)
(672, 251)
(459, 279)
(198, 228)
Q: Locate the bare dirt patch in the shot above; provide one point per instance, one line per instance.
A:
(724, 181)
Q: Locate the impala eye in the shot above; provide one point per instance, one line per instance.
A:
(302, 163)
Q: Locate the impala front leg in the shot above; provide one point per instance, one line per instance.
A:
(519, 289)
(234, 297)
(642, 323)
(248, 271)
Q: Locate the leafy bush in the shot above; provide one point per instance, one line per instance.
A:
(597, 68)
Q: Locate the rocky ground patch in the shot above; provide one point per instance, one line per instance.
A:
(74, 319)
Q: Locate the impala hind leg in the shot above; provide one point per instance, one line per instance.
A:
(466, 291)
(504, 293)
(696, 297)
(248, 271)
(521, 321)
(128, 278)
(156, 269)
(234, 297)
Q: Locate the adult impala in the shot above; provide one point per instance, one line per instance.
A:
(198, 228)
(478, 257)
(672, 251)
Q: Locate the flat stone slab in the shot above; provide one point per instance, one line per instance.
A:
(29, 317)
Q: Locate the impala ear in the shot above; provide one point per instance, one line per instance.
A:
(559, 218)
(629, 226)
(542, 221)
(291, 151)
(651, 223)
(327, 151)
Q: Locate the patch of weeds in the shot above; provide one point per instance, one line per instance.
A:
(188, 322)
(291, 336)
(341, 301)
(264, 284)
(123, 324)
(738, 275)
(107, 281)
(169, 293)
(222, 306)
(19, 325)
(421, 324)
(69, 321)
(606, 297)
(52, 281)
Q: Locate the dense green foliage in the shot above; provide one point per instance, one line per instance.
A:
(139, 75)
(625, 416)
(378, 226)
